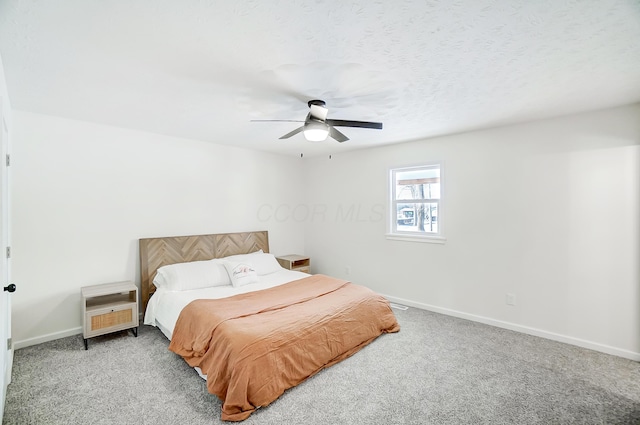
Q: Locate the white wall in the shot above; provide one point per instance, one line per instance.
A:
(548, 211)
(83, 194)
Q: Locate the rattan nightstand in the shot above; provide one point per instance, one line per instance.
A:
(107, 308)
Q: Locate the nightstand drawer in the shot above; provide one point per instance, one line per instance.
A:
(305, 269)
(110, 319)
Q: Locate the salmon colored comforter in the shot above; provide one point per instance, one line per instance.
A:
(254, 346)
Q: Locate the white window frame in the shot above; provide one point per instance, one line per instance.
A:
(392, 224)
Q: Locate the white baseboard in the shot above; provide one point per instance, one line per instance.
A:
(46, 338)
(522, 329)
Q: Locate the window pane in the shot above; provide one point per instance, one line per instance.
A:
(417, 217)
(418, 184)
(415, 203)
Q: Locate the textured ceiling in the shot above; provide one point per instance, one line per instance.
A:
(203, 69)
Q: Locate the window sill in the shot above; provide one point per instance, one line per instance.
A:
(415, 238)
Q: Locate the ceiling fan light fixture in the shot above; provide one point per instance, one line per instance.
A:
(316, 131)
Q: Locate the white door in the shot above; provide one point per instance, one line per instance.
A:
(6, 349)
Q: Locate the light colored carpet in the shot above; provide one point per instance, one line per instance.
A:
(436, 370)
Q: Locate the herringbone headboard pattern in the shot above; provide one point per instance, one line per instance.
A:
(158, 252)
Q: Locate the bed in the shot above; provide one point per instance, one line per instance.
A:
(248, 326)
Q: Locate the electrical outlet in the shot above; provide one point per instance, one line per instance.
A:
(511, 299)
(347, 270)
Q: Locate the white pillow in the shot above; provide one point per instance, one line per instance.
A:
(263, 263)
(192, 275)
(243, 257)
(241, 273)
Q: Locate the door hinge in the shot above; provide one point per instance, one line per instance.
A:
(8, 252)
(9, 343)
(8, 160)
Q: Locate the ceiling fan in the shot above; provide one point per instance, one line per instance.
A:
(317, 127)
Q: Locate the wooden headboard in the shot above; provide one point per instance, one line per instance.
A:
(158, 252)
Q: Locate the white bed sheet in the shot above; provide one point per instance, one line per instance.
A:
(165, 306)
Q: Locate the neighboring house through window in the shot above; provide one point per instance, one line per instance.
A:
(416, 203)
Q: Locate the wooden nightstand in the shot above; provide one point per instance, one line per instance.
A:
(299, 263)
(107, 308)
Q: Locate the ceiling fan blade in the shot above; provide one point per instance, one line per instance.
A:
(361, 124)
(335, 134)
(292, 133)
(318, 112)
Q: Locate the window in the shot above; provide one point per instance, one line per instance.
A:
(416, 203)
